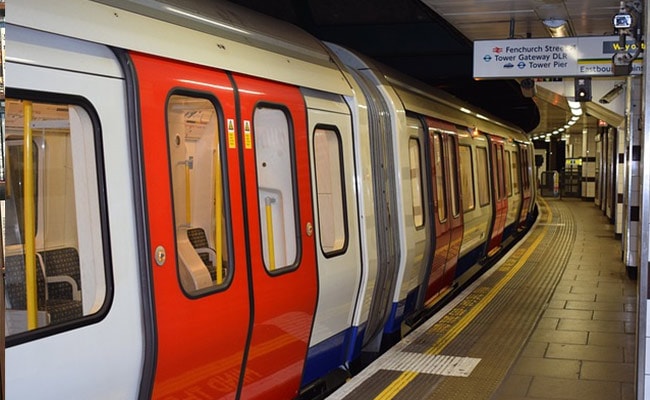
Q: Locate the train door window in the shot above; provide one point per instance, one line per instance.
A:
(500, 180)
(514, 172)
(56, 269)
(524, 170)
(275, 181)
(453, 176)
(328, 163)
(438, 164)
(416, 182)
(508, 172)
(197, 187)
(482, 176)
(466, 177)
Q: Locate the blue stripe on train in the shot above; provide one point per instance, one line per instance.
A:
(333, 352)
(400, 310)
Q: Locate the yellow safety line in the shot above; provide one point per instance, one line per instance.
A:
(29, 219)
(397, 385)
(406, 377)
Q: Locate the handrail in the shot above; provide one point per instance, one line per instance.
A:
(29, 218)
(218, 213)
(189, 164)
(269, 231)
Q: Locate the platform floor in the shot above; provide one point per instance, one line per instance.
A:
(555, 319)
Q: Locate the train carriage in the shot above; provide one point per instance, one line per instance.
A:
(451, 211)
(205, 202)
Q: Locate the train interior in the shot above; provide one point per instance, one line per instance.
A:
(198, 197)
(50, 181)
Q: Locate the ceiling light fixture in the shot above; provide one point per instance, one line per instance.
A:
(575, 107)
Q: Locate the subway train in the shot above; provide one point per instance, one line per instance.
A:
(205, 203)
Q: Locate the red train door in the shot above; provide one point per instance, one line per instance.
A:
(456, 207)
(446, 207)
(282, 248)
(499, 190)
(195, 228)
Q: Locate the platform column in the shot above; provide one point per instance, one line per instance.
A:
(632, 191)
(588, 155)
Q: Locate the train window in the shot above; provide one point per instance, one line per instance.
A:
(482, 176)
(499, 171)
(524, 169)
(330, 188)
(453, 175)
(275, 184)
(198, 190)
(515, 173)
(416, 182)
(56, 272)
(508, 173)
(466, 177)
(438, 165)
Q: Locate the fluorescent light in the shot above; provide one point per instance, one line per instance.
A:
(576, 108)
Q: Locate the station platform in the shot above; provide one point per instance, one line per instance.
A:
(554, 319)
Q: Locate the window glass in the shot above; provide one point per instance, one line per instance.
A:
(466, 177)
(416, 182)
(275, 188)
(515, 173)
(197, 186)
(438, 165)
(482, 176)
(524, 169)
(499, 171)
(55, 271)
(329, 185)
(508, 173)
(453, 175)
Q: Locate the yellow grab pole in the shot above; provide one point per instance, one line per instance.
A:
(218, 213)
(29, 218)
(188, 193)
(269, 231)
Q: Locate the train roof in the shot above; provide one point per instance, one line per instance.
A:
(426, 100)
(210, 33)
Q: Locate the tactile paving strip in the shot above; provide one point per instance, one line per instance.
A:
(493, 337)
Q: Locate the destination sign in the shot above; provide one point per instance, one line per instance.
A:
(550, 57)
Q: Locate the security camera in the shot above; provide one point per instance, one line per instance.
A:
(612, 94)
(527, 86)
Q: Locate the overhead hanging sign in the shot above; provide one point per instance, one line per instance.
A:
(549, 57)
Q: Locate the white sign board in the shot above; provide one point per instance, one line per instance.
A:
(551, 57)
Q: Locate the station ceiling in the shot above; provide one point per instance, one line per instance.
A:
(432, 40)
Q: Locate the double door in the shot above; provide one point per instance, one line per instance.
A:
(233, 281)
